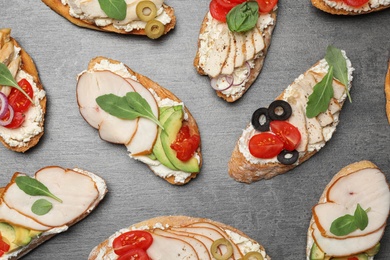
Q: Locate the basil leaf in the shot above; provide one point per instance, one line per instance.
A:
(115, 9)
(243, 17)
(322, 94)
(361, 218)
(34, 187)
(41, 207)
(6, 79)
(343, 225)
(335, 58)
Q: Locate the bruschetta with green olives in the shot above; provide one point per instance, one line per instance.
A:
(130, 109)
(350, 7)
(152, 18)
(233, 42)
(179, 237)
(297, 124)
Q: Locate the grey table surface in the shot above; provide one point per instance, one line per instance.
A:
(275, 212)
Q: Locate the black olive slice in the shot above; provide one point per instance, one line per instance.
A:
(260, 119)
(279, 110)
(288, 157)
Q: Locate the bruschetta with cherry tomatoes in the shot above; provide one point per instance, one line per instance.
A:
(130, 109)
(297, 124)
(233, 41)
(179, 237)
(22, 97)
(351, 7)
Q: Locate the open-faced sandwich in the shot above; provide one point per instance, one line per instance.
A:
(387, 91)
(22, 98)
(179, 237)
(233, 43)
(297, 124)
(351, 215)
(154, 125)
(152, 18)
(34, 209)
(351, 7)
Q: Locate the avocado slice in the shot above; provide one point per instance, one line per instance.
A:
(22, 236)
(171, 128)
(8, 232)
(316, 253)
(373, 251)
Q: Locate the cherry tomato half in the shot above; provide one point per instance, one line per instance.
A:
(355, 3)
(16, 122)
(4, 246)
(135, 254)
(266, 6)
(229, 4)
(265, 145)
(217, 11)
(185, 145)
(18, 101)
(136, 239)
(288, 133)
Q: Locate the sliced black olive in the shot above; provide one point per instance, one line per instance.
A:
(279, 110)
(260, 119)
(288, 157)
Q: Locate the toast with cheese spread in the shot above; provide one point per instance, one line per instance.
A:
(287, 133)
(387, 91)
(179, 237)
(34, 209)
(130, 109)
(24, 130)
(345, 7)
(349, 197)
(90, 14)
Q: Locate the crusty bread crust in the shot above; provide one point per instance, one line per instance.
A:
(172, 221)
(387, 91)
(162, 93)
(320, 4)
(254, 72)
(27, 64)
(63, 10)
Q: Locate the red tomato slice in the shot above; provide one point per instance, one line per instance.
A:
(266, 6)
(136, 239)
(355, 3)
(16, 122)
(265, 145)
(288, 133)
(229, 4)
(135, 254)
(217, 11)
(185, 145)
(18, 101)
(4, 246)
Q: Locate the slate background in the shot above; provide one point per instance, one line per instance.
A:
(275, 212)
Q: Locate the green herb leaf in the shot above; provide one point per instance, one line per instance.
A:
(343, 225)
(335, 58)
(322, 94)
(361, 218)
(115, 9)
(41, 207)
(6, 79)
(243, 17)
(34, 187)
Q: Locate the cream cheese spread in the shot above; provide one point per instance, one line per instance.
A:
(371, 4)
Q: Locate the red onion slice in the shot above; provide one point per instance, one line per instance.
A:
(3, 104)
(248, 67)
(11, 116)
(227, 78)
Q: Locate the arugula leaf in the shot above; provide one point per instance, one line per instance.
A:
(322, 94)
(34, 187)
(115, 9)
(243, 17)
(361, 218)
(346, 224)
(41, 207)
(6, 79)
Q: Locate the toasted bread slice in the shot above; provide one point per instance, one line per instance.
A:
(187, 236)
(64, 10)
(11, 138)
(365, 9)
(387, 91)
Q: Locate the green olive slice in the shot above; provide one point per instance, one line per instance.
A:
(146, 10)
(154, 29)
(216, 244)
(253, 255)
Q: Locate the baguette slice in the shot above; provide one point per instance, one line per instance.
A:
(365, 9)
(387, 91)
(184, 238)
(64, 10)
(17, 139)
(363, 193)
(315, 132)
(89, 187)
(176, 177)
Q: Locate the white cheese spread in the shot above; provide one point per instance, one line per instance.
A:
(244, 244)
(371, 4)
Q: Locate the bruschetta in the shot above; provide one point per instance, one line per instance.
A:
(34, 209)
(152, 18)
(233, 58)
(350, 7)
(130, 109)
(351, 215)
(387, 91)
(21, 121)
(297, 124)
(179, 237)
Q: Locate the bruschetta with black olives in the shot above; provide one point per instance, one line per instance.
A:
(34, 209)
(297, 124)
(351, 216)
(152, 18)
(130, 109)
(387, 91)
(179, 237)
(22, 97)
(232, 52)
(350, 7)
